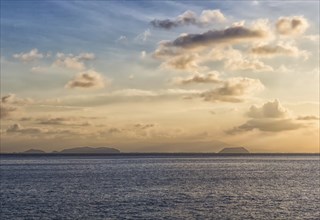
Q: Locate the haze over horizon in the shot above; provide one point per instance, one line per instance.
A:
(160, 76)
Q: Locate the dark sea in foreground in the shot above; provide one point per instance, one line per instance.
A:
(159, 186)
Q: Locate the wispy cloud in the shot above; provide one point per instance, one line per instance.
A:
(75, 62)
(32, 55)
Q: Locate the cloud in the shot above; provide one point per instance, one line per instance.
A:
(187, 18)
(190, 18)
(122, 39)
(17, 128)
(267, 125)
(188, 51)
(235, 60)
(247, 64)
(87, 79)
(143, 54)
(230, 35)
(75, 62)
(212, 77)
(63, 121)
(232, 90)
(8, 98)
(133, 92)
(143, 37)
(308, 117)
(185, 62)
(9, 105)
(211, 16)
(224, 53)
(295, 25)
(164, 50)
(39, 69)
(114, 131)
(143, 126)
(314, 38)
(270, 117)
(268, 110)
(278, 50)
(13, 99)
(6, 111)
(29, 56)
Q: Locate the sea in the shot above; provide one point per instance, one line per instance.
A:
(160, 187)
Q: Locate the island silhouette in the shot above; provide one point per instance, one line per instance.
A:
(109, 150)
(78, 150)
(34, 151)
(234, 150)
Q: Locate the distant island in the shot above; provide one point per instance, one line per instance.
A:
(78, 150)
(90, 150)
(34, 151)
(234, 150)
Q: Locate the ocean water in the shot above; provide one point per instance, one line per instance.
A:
(176, 187)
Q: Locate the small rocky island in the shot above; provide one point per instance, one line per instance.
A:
(234, 150)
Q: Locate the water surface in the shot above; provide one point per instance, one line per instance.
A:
(146, 187)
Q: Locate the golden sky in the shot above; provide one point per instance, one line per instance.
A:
(160, 76)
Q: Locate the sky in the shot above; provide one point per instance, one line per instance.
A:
(160, 76)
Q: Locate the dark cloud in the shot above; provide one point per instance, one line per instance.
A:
(190, 18)
(166, 23)
(229, 35)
